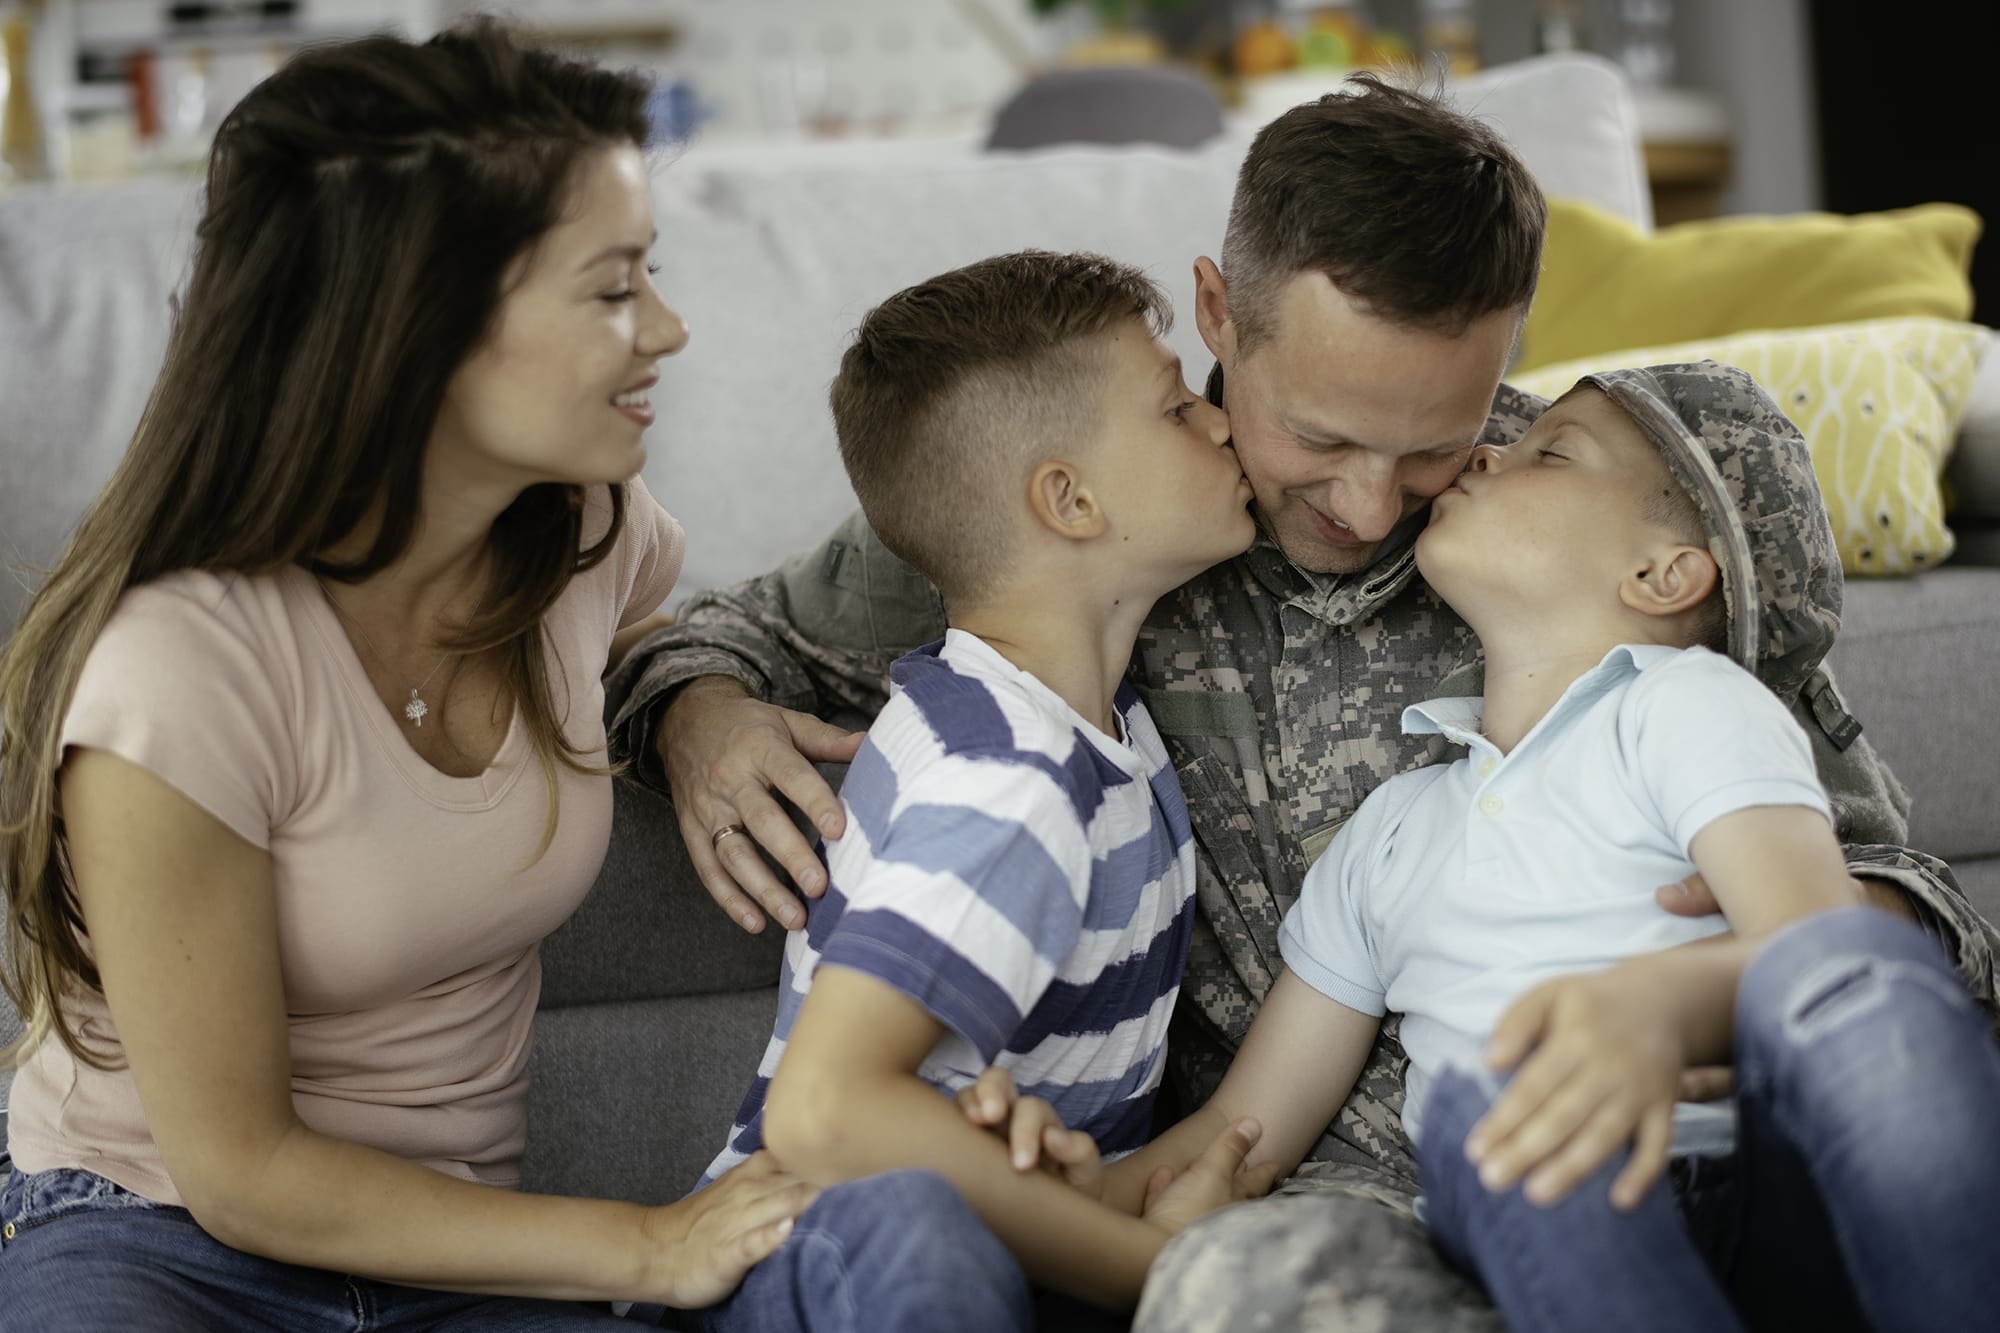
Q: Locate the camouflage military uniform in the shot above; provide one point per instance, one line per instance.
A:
(1280, 695)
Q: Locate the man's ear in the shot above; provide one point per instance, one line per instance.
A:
(1211, 313)
(1673, 579)
(1060, 501)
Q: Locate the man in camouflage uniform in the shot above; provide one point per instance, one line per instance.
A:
(1278, 679)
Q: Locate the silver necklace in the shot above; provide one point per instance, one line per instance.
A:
(415, 710)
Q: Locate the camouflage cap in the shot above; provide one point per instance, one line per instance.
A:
(1748, 470)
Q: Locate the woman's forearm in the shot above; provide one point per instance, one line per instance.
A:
(324, 1203)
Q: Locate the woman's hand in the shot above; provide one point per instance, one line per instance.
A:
(1035, 1134)
(711, 1239)
(1604, 1071)
(727, 758)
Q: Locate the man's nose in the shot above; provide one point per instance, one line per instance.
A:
(1372, 503)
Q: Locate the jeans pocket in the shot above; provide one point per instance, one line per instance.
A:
(28, 1201)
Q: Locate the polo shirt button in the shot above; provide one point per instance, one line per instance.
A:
(1486, 767)
(1490, 805)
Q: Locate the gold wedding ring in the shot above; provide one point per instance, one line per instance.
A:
(715, 838)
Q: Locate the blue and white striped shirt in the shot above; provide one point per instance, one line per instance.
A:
(1025, 878)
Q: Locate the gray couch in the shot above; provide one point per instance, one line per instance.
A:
(655, 1009)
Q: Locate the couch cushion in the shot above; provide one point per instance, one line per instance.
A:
(1879, 403)
(632, 1101)
(1605, 284)
(1972, 480)
(1915, 660)
(647, 929)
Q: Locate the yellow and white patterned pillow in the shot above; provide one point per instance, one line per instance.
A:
(1879, 403)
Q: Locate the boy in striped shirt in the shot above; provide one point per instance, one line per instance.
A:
(1016, 883)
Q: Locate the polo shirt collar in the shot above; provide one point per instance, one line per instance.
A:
(1458, 719)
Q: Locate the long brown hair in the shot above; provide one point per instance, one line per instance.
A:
(363, 207)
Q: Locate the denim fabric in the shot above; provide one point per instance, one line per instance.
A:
(901, 1252)
(79, 1254)
(1860, 1193)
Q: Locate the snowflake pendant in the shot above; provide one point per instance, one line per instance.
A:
(415, 709)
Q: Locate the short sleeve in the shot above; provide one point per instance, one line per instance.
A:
(968, 897)
(1704, 738)
(182, 684)
(1325, 939)
(651, 549)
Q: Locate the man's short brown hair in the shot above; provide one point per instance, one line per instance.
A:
(1423, 215)
(955, 389)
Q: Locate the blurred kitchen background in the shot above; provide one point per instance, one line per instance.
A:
(1745, 105)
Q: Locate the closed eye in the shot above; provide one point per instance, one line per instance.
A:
(624, 294)
(1550, 453)
(1179, 412)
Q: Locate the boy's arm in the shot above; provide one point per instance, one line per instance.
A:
(1295, 1068)
(1608, 1047)
(846, 1102)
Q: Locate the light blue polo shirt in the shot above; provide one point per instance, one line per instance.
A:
(1456, 888)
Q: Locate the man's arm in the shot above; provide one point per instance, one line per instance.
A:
(846, 1102)
(723, 709)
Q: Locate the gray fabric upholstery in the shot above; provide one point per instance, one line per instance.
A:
(1916, 659)
(649, 931)
(1145, 104)
(632, 1100)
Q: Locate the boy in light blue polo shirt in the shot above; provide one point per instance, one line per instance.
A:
(1653, 579)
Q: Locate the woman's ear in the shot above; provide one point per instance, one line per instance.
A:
(1062, 503)
(1674, 579)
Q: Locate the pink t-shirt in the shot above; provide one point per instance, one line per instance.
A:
(409, 915)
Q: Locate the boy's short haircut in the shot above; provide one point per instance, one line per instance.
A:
(1424, 215)
(955, 389)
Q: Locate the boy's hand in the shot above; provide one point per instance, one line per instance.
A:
(1603, 1074)
(1213, 1180)
(1035, 1134)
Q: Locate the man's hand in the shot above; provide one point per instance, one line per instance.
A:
(1213, 1180)
(725, 755)
(1035, 1134)
(1604, 1071)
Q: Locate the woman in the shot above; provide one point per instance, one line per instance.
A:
(301, 742)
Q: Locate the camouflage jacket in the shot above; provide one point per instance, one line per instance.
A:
(1280, 695)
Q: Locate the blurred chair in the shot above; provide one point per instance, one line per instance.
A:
(1124, 104)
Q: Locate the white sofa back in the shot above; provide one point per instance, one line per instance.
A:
(772, 255)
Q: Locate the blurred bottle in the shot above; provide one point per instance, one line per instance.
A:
(1559, 26)
(1645, 42)
(23, 156)
(1449, 30)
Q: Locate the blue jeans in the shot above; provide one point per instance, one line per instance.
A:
(1859, 1196)
(901, 1252)
(78, 1254)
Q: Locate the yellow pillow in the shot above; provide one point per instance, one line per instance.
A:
(1879, 404)
(1607, 284)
